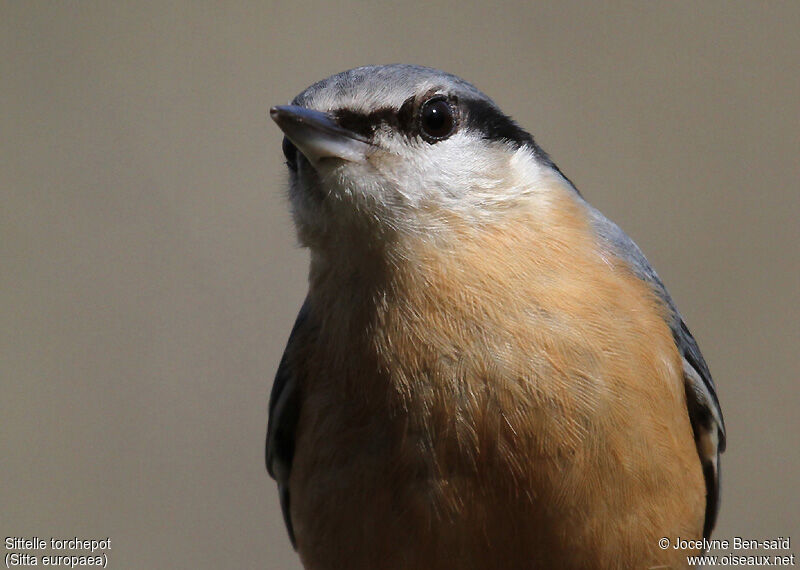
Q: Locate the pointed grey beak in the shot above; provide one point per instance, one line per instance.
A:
(317, 136)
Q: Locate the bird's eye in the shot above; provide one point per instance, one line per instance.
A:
(436, 119)
(290, 152)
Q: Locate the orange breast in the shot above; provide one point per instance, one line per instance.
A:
(502, 398)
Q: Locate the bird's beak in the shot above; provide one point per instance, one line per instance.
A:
(317, 136)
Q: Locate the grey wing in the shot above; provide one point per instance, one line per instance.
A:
(701, 394)
(284, 410)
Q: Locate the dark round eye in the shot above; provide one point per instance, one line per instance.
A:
(436, 119)
(290, 152)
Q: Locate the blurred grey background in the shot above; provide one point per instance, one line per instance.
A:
(149, 273)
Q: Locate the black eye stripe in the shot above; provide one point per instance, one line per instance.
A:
(478, 115)
(493, 124)
(366, 124)
(405, 116)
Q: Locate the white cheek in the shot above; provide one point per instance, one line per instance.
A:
(414, 184)
(461, 173)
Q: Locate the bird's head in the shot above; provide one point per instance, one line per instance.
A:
(385, 150)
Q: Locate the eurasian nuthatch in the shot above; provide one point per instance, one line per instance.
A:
(486, 372)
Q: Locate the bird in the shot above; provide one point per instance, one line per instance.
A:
(486, 372)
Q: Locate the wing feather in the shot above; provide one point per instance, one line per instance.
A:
(284, 410)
